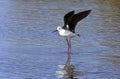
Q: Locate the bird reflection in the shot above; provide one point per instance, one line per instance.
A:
(70, 72)
(67, 71)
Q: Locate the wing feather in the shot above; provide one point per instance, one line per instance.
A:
(76, 18)
(67, 17)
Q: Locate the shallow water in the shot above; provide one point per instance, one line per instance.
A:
(29, 49)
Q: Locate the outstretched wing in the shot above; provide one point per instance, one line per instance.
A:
(73, 20)
(67, 18)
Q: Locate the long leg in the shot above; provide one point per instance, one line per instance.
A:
(69, 45)
(69, 51)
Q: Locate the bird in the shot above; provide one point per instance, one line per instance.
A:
(68, 29)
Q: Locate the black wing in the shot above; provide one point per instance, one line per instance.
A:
(67, 18)
(76, 18)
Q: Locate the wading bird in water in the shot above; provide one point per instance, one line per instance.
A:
(68, 30)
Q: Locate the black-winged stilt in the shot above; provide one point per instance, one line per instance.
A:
(68, 30)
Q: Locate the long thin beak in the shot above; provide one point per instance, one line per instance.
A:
(54, 31)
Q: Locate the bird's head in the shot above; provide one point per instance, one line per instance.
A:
(58, 29)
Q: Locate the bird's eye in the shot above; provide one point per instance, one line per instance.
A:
(59, 28)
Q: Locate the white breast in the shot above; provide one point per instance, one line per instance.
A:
(66, 33)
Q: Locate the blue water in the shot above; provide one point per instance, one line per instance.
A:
(29, 49)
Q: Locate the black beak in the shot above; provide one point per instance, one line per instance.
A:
(54, 31)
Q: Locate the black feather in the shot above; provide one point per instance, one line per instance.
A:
(67, 18)
(72, 19)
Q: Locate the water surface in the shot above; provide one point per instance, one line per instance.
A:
(29, 49)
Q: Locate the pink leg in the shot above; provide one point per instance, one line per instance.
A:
(69, 46)
(68, 52)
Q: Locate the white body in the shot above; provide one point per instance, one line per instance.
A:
(66, 33)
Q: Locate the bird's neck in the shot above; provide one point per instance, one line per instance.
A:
(61, 31)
